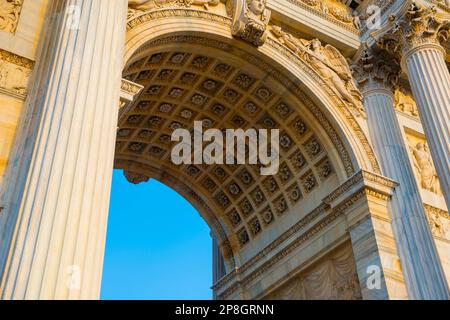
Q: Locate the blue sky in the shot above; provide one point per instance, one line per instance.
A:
(157, 247)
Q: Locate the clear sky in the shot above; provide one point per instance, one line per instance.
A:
(157, 247)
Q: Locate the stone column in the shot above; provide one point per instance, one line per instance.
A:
(416, 41)
(218, 261)
(430, 83)
(56, 248)
(218, 265)
(420, 262)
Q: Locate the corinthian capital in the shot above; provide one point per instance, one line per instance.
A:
(375, 69)
(419, 26)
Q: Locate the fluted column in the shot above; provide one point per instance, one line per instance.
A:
(218, 265)
(416, 41)
(430, 84)
(56, 250)
(420, 262)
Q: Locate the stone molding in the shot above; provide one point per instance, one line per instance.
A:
(128, 91)
(316, 7)
(362, 184)
(416, 29)
(385, 6)
(15, 72)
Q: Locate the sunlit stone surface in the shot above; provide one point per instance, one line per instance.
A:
(357, 209)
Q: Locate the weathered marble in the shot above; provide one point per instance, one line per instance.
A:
(105, 87)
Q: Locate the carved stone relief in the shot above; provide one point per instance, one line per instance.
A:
(404, 102)
(333, 10)
(135, 178)
(14, 72)
(250, 20)
(444, 4)
(420, 25)
(138, 6)
(423, 164)
(334, 277)
(9, 14)
(439, 221)
(329, 64)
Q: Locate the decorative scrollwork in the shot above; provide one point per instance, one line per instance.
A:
(250, 20)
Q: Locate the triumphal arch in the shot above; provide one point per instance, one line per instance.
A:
(360, 93)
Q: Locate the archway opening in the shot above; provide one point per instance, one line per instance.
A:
(157, 246)
(226, 84)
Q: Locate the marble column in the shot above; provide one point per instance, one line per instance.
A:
(416, 41)
(218, 265)
(57, 244)
(423, 273)
(218, 261)
(430, 83)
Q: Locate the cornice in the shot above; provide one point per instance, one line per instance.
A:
(325, 16)
(358, 186)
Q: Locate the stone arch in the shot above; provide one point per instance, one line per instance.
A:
(168, 31)
(144, 29)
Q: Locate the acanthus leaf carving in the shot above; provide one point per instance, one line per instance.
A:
(135, 178)
(375, 69)
(420, 25)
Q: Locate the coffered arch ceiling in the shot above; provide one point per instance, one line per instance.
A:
(196, 75)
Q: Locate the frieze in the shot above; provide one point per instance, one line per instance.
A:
(336, 13)
(174, 12)
(15, 72)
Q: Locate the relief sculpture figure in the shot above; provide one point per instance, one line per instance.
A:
(145, 5)
(425, 167)
(9, 14)
(328, 62)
